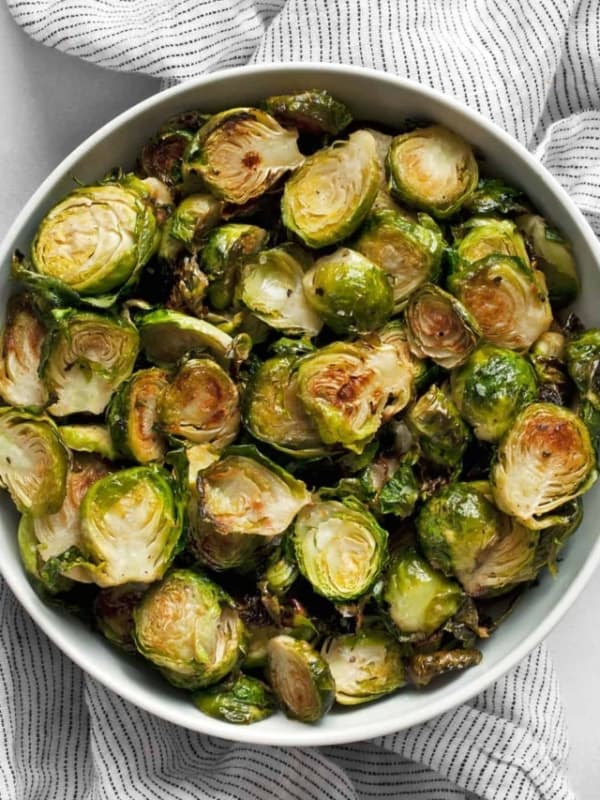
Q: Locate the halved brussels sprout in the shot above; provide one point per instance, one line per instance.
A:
(365, 665)
(331, 194)
(132, 416)
(300, 678)
(432, 169)
(188, 627)
(553, 256)
(545, 460)
(98, 238)
(193, 218)
(410, 253)
(168, 335)
(246, 493)
(390, 487)
(200, 404)
(241, 700)
(271, 286)
(162, 156)
(493, 196)
(240, 153)
(33, 565)
(490, 389)
(87, 356)
(88, 439)
(418, 598)
(223, 254)
(424, 667)
(21, 344)
(340, 548)
(113, 613)
(508, 300)
(436, 423)
(314, 111)
(33, 462)
(349, 292)
(274, 414)
(281, 570)
(439, 327)
(583, 362)
(486, 236)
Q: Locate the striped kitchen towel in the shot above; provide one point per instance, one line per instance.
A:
(533, 66)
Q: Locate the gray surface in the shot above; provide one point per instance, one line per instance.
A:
(50, 103)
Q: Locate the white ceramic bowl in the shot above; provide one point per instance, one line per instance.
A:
(373, 96)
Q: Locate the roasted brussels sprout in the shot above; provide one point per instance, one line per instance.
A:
(132, 416)
(432, 169)
(390, 487)
(508, 300)
(300, 678)
(32, 564)
(493, 196)
(271, 287)
(553, 256)
(549, 359)
(237, 551)
(424, 667)
(188, 627)
(87, 356)
(242, 701)
(330, 195)
(193, 218)
(314, 111)
(486, 236)
(545, 460)
(240, 153)
(340, 548)
(365, 665)
(188, 288)
(491, 388)
(583, 361)
(21, 344)
(281, 570)
(224, 251)
(162, 156)
(349, 292)
(168, 335)
(88, 439)
(439, 327)
(113, 613)
(436, 423)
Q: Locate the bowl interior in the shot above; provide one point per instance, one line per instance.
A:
(371, 96)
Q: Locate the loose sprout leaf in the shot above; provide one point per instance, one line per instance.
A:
(314, 111)
(88, 439)
(166, 336)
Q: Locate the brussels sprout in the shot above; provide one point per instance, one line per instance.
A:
(331, 194)
(439, 327)
(340, 548)
(554, 538)
(508, 300)
(424, 667)
(410, 253)
(113, 613)
(390, 487)
(242, 701)
(436, 423)
(417, 597)
(132, 416)
(86, 357)
(240, 153)
(33, 565)
(162, 156)
(365, 665)
(281, 570)
(189, 287)
(271, 287)
(187, 626)
(168, 335)
(193, 218)
(432, 169)
(246, 493)
(300, 678)
(490, 389)
(314, 111)
(238, 551)
(545, 460)
(33, 462)
(274, 414)
(88, 439)
(20, 353)
(349, 292)
(583, 360)
(493, 196)
(548, 356)
(553, 256)
(201, 404)
(98, 238)
(485, 236)
(224, 251)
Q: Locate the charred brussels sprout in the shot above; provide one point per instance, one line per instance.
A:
(168, 335)
(439, 327)
(240, 153)
(508, 300)
(484, 236)
(132, 416)
(21, 344)
(242, 701)
(88, 439)
(332, 193)
(300, 678)
(432, 169)
(545, 460)
(223, 254)
(493, 196)
(162, 156)
(491, 388)
(365, 665)
(188, 627)
(583, 362)
(340, 548)
(553, 256)
(87, 356)
(349, 292)
(410, 253)
(113, 613)
(437, 425)
(390, 487)
(189, 287)
(549, 359)
(424, 667)
(312, 112)
(271, 287)
(193, 218)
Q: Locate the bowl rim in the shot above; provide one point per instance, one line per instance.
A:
(310, 736)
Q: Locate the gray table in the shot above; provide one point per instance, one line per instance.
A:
(49, 103)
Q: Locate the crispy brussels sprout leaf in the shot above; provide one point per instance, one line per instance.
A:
(88, 439)
(132, 416)
(113, 613)
(553, 256)
(425, 667)
(162, 156)
(493, 196)
(314, 111)
(583, 362)
(242, 701)
(21, 344)
(281, 570)
(436, 423)
(549, 359)
(223, 254)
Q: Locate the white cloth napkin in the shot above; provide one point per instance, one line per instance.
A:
(533, 66)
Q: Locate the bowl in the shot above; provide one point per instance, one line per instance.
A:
(370, 95)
